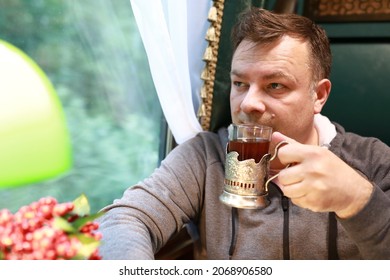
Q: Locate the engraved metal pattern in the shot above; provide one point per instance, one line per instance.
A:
(246, 177)
(348, 10)
(246, 182)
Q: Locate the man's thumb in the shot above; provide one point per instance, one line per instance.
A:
(278, 137)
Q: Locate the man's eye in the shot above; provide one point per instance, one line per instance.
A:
(238, 84)
(275, 86)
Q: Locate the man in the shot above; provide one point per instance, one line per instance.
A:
(333, 202)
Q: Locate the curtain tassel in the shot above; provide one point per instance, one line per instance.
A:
(212, 16)
(203, 92)
(208, 55)
(202, 110)
(205, 76)
(210, 35)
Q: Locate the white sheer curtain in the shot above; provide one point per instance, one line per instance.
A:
(173, 33)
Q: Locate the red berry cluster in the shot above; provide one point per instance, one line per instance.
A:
(32, 233)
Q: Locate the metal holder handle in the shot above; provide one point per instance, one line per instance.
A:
(271, 159)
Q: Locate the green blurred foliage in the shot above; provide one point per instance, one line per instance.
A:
(92, 52)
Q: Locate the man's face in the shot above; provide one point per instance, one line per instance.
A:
(272, 85)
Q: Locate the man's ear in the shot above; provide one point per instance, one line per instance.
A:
(321, 94)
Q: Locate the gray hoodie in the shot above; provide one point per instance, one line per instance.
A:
(185, 189)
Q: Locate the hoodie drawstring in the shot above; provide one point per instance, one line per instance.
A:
(332, 232)
(234, 232)
(286, 228)
(332, 237)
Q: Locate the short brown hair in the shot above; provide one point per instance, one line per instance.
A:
(262, 27)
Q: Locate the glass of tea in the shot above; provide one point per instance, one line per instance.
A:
(247, 166)
(249, 141)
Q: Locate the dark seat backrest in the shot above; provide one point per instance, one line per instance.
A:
(360, 94)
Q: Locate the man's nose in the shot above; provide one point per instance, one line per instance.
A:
(253, 102)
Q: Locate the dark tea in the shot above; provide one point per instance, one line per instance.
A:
(249, 148)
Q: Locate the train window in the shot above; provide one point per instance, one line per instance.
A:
(93, 55)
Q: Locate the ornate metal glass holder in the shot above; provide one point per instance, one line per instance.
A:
(246, 182)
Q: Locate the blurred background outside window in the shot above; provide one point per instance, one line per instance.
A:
(93, 55)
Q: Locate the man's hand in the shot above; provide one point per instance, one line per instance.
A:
(319, 180)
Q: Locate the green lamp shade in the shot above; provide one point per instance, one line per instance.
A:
(34, 141)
